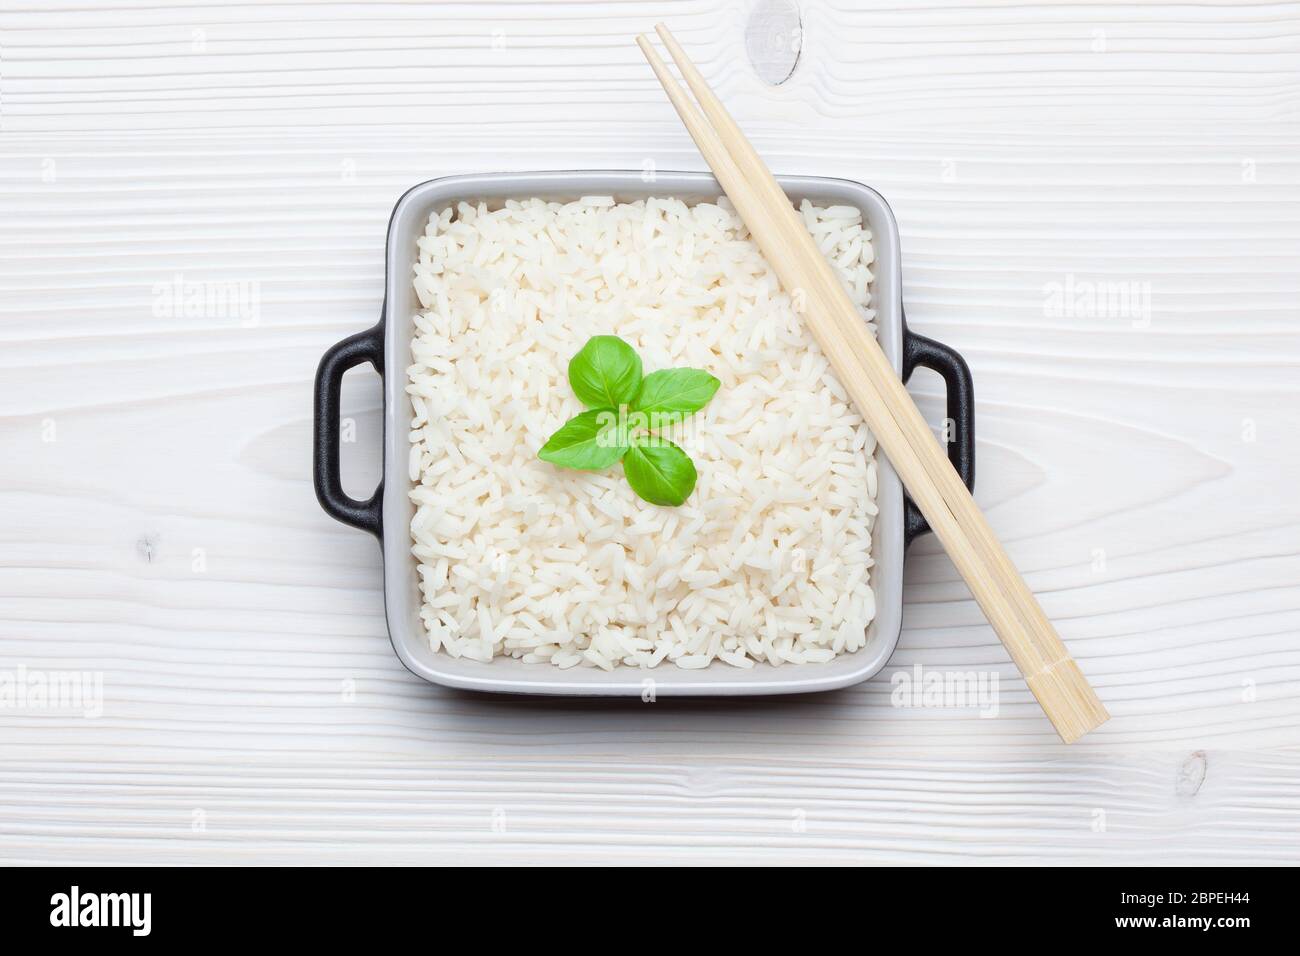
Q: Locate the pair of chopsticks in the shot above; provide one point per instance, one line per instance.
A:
(1053, 676)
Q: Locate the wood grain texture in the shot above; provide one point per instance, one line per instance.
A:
(157, 523)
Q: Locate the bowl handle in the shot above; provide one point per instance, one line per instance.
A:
(367, 346)
(927, 353)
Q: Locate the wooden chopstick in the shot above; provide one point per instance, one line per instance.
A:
(880, 396)
(785, 257)
(1038, 668)
(913, 423)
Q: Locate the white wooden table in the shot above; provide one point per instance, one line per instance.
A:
(158, 525)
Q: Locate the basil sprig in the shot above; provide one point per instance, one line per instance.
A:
(624, 413)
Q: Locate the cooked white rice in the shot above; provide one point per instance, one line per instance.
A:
(769, 558)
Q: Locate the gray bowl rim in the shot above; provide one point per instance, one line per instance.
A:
(718, 680)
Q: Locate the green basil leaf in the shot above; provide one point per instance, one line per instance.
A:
(589, 442)
(659, 471)
(606, 373)
(669, 395)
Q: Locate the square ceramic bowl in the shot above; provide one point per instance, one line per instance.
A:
(387, 514)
